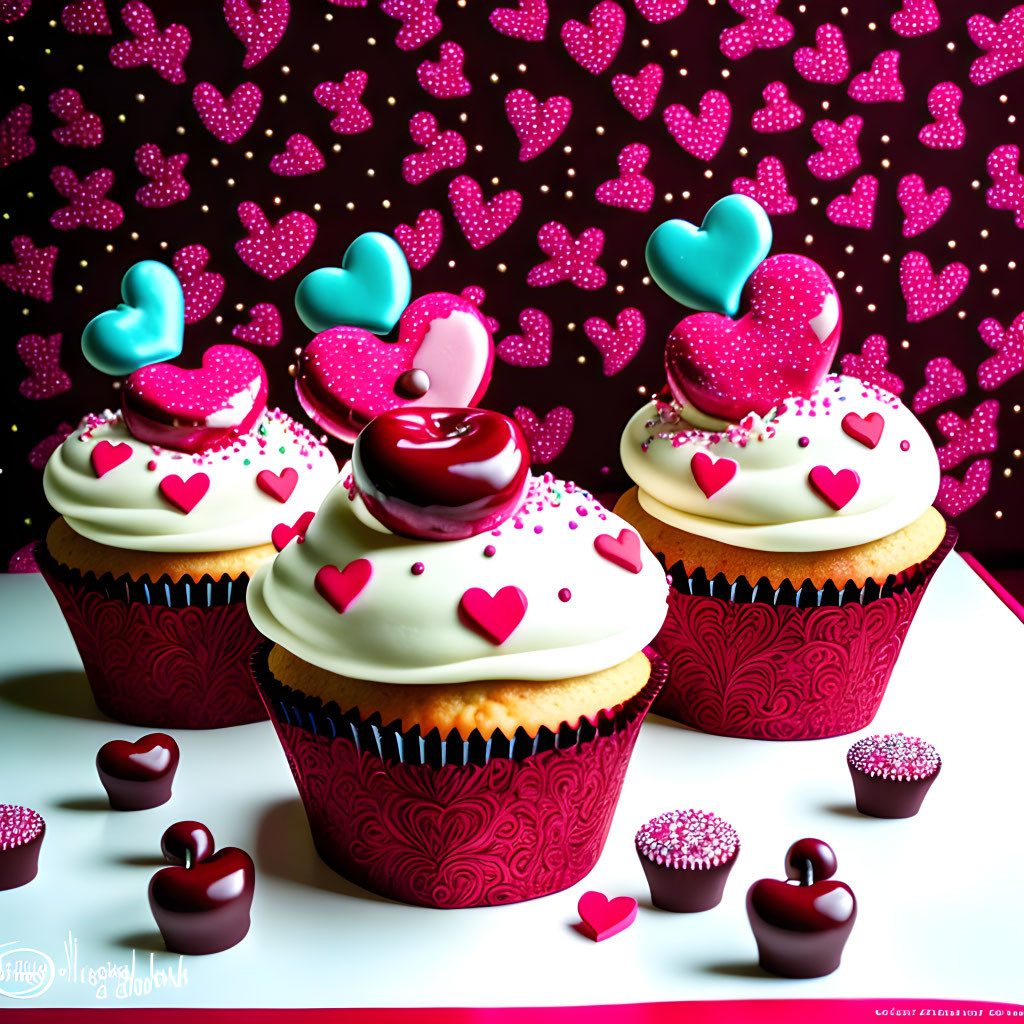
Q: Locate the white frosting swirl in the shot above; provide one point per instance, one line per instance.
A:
(405, 627)
(769, 503)
(125, 508)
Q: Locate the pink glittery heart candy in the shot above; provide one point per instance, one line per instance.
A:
(260, 30)
(300, 157)
(272, 249)
(829, 63)
(783, 347)
(81, 127)
(15, 141)
(639, 93)
(927, 293)
(547, 436)
(193, 410)
(496, 617)
(594, 46)
(921, 208)
(527, 21)
(445, 78)
(228, 118)
(702, 134)
(263, 328)
(916, 18)
(86, 18)
(443, 357)
(420, 241)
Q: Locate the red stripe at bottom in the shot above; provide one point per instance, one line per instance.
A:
(758, 1011)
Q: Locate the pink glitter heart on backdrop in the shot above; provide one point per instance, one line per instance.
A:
(533, 346)
(263, 328)
(546, 437)
(167, 184)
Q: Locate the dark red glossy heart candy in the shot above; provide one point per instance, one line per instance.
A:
(138, 775)
(194, 410)
(441, 474)
(204, 908)
(801, 929)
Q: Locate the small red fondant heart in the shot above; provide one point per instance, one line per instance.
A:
(185, 494)
(340, 587)
(282, 533)
(495, 618)
(835, 489)
(866, 429)
(711, 476)
(783, 347)
(278, 485)
(106, 456)
(624, 551)
(603, 917)
(193, 410)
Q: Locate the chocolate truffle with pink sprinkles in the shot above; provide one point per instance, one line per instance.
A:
(21, 836)
(892, 773)
(687, 857)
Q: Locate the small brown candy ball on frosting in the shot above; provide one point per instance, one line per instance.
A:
(21, 836)
(687, 857)
(891, 774)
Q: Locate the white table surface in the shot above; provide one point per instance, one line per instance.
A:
(941, 896)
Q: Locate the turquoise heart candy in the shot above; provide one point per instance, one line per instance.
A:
(705, 268)
(370, 289)
(147, 327)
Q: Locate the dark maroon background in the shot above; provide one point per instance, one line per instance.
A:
(43, 57)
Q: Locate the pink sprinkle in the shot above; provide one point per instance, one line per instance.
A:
(519, 524)
(538, 529)
(573, 524)
(417, 568)
(804, 442)
(151, 465)
(490, 551)
(495, 533)
(564, 594)
(904, 446)
(580, 510)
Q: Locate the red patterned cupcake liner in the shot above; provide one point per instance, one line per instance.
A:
(455, 822)
(786, 663)
(171, 655)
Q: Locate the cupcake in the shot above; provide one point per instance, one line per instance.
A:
(792, 509)
(455, 666)
(892, 773)
(165, 510)
(687, 857)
